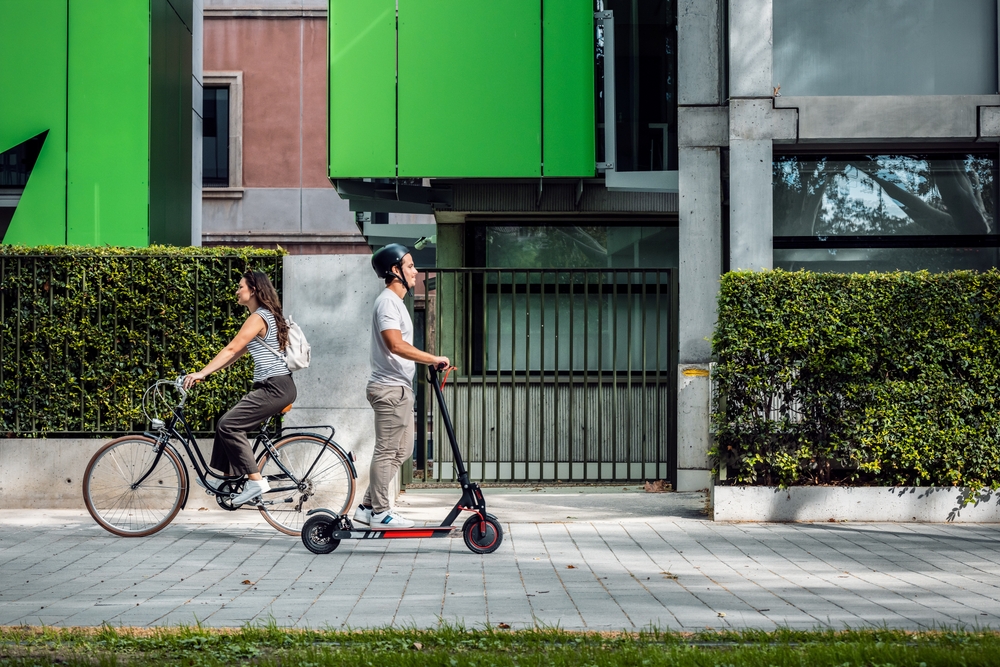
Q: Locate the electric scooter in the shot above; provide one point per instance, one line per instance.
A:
(324, 530)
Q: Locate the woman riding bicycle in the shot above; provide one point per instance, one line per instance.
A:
(263, 333)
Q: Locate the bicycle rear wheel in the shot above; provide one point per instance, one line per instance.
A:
(119, 506)
(324, 480)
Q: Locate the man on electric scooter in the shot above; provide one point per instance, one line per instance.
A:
(390, 387)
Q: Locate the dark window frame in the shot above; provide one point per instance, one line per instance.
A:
(218, 180)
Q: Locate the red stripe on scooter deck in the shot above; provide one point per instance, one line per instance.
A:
(376, 534)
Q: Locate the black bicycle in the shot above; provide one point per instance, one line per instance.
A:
(135, 485)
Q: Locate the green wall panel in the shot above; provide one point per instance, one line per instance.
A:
(362, 111)
(568, 88)
(32, 100)
(169, 126)
(108, 140)
(469, 88)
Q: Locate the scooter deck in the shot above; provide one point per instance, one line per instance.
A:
(392, 533)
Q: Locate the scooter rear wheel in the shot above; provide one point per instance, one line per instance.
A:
(483, 539)
(317, 534)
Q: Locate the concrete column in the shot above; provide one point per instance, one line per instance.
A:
(750, 48)
(750, 204)
(699, 53)
(750, 134)
(197, 125)
(702, 129)
(700, 234)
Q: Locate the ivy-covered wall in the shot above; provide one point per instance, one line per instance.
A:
(882, 379)
(84, 331)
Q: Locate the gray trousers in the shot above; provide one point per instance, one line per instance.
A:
(232, 453)
(393, 408)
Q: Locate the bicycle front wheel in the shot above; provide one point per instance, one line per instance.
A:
(313, 474)
(113, 497)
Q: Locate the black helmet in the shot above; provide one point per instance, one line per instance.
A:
(387, 257)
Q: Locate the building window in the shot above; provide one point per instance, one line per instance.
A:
(591, 298)
(215, 133)
(860, 213)
(575, 246)
(860, 47)
(222, 132)
(645, 57)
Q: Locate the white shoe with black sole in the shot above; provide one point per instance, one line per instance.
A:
(254, 488)
(363, 515)
(389, 519)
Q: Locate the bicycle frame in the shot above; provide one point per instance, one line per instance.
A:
(170, 430)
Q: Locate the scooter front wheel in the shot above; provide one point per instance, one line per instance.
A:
(482, 536)
(317, 534)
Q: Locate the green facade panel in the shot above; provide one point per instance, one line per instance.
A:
(108, 103)
(32, 101)
(362, 104)
(169, 136)
(483, 89)
(470, 100)
(110, 84)
(568, 88)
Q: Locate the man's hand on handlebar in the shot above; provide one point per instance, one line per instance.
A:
(441, 363)
(191, 379)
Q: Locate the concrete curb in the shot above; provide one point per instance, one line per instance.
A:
(831, 503)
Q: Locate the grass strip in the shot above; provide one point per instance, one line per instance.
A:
(452, 646)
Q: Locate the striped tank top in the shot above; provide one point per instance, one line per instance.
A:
(266, 363)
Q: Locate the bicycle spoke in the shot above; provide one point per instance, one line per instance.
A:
(124, 510)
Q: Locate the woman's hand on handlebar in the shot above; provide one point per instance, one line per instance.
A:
(191, 379)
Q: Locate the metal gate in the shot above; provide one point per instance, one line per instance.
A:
(563, 374)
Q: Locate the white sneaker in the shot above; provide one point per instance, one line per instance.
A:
(253, 489)
(363, 515)
(389, 519)
(212, 484)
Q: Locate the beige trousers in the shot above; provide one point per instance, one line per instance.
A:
(393, 408)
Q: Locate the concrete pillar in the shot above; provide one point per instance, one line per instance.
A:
(702, 130)
(700, 235)
(699, 52)
(750, 204)
(750, 48)
(197, 125)
(750, 134)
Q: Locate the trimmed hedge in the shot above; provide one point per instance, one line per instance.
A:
(84, 331)
(881, 379)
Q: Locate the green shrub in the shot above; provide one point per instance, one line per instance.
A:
(84, 331)
(882, 379)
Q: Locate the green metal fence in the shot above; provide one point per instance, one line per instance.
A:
(81, 336)
(563, 375)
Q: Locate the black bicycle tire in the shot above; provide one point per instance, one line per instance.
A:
(338, 452)
(95, 514)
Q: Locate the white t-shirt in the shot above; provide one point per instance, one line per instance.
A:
(387, 368)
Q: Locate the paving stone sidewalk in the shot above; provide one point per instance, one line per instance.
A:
(598, 570)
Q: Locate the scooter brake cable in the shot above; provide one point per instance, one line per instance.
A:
(447, 372)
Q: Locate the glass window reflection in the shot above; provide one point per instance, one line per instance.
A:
(645, 85)
(885, 195)
(580, 246)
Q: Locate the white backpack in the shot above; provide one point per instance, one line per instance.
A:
(297, 352)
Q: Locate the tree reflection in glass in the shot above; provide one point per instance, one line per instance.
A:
(884, 195)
